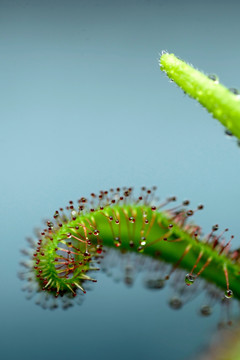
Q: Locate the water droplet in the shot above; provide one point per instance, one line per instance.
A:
(96, 232)
(189, 279)
(234, 91)
(228, 294)
(69, 235)
(206, 310)
(213, 77)
(99, 249)
(228, 133)
(215, 227)
(131, 219)
(74, 213)
(143, 241)
(56, 215)
(50, 224)
(117, 241)
(70, 266)
(175, 303)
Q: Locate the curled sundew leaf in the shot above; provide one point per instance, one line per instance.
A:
(222, 103)
(71, 245)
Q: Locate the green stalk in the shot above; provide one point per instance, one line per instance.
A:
(223, 104)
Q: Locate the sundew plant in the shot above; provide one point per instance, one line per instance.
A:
(70, 248)
(72, 242)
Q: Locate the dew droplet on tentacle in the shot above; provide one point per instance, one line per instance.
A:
(189, 279)
(228, 294)
(117, 241)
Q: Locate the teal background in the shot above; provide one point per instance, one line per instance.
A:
(84, 107)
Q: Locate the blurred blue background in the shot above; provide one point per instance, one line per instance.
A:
(84, 107)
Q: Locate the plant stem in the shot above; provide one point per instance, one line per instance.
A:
(221, 102)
